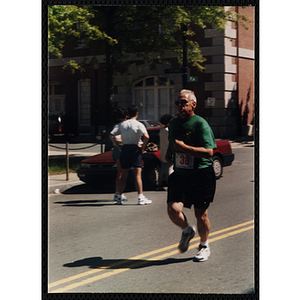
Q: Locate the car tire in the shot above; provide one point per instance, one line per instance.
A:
(218, 166)
(150, 178)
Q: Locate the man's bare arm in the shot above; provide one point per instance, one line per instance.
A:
(116, 142)
(199, 152)
(145, 140)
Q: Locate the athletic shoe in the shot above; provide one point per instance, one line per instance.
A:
(124, 198)
(202, 254)
(186, 236)
(143, 200)
(118, 199)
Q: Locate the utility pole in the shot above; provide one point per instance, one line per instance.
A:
(184, 59)
(96, 68)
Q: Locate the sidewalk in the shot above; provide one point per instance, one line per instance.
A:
(75, 150)
(243, 141)
(58, 183)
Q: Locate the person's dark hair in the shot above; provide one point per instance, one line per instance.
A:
(165, 119)
(132, 110)
(120, 114)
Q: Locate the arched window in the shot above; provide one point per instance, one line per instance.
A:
(154, 96)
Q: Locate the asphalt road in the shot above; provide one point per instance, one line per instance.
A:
(96, 246)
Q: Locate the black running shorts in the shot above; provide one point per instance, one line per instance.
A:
(131, 156)
(197, 189)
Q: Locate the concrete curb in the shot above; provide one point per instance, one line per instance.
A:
(61, 187)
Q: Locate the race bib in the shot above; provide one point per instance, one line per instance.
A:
(184, 161)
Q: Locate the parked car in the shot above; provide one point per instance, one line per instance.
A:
(101, 168)
(222, 157)
(150, 123)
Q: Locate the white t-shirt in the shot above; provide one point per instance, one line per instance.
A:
(131, 131)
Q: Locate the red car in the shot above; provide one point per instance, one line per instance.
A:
(101, 168)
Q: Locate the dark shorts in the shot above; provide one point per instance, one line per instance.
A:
(131, 156)
(198, 189)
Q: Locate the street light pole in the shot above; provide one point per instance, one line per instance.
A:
(96, 68)
(184, 58)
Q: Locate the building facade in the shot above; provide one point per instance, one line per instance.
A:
(225, 90)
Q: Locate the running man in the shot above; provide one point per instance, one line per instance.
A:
(193, 182)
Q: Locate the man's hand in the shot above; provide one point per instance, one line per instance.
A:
(145, 142)
(200, 152)
(179, 146)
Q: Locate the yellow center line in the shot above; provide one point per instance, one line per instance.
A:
(109, 266)
(101, 276)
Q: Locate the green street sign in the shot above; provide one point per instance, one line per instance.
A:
(192, 79)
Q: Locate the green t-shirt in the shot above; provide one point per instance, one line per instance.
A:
(194, 131)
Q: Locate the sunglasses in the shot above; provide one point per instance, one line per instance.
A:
(181, 102)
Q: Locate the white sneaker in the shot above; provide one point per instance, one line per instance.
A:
(143, 200)
(202, 254)
(124, 198)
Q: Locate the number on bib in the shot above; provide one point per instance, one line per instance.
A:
(184, 161)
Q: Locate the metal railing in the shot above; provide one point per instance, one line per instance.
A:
(102, 146)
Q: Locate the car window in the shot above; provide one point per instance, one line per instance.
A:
(154, 124)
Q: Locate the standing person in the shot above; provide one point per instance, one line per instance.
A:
(193, 182)
(120, 115)
(165, 169)
(131, 132)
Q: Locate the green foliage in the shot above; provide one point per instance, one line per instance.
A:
(72, 23)
(148, 31)
(71, 66)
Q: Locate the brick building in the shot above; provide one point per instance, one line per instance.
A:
(228, 81)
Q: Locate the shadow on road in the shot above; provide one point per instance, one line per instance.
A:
(88, 189)
(99, 262)
(92, 203)
(86, 203)
(101, 189)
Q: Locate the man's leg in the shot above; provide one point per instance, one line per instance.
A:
(122, 181)
(178, 218)
(142, 200)
(119, 176)
(176, 215)
(203, 223)
(203, 226)
(138, 180)
(119, 186)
